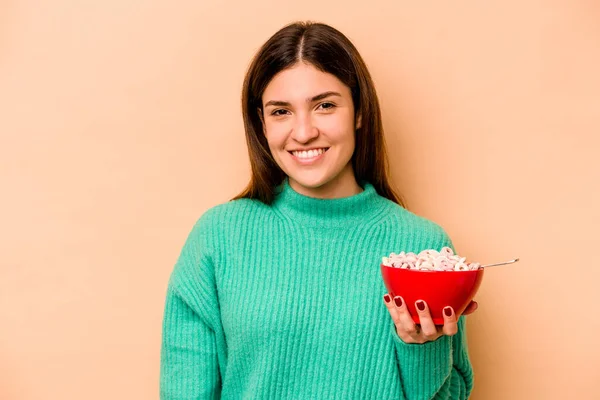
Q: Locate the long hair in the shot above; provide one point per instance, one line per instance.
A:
(330, 51)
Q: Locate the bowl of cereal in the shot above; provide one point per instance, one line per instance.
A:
(440, 278)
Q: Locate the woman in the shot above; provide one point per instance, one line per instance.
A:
(276, 294)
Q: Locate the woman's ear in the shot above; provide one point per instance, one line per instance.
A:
(358, 122)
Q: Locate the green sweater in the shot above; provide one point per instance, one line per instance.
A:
(285, 302)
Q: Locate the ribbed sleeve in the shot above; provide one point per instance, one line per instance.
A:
(424, 368)
(190, 354)
(462, 373)
(435, 370)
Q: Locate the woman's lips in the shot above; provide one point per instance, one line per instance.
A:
(308, 161)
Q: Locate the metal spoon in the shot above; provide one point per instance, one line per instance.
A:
(501, 263)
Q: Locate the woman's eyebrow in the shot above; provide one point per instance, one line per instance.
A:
(318, 97)
(322, 96)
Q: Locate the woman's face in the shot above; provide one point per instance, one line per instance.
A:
(308, 120)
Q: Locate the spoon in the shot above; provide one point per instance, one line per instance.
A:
(501, 263)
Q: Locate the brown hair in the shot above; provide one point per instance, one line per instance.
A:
(330, 51)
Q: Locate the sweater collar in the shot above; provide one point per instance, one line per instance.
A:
(339, 212)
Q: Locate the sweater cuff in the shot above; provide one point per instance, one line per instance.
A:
(424, 368)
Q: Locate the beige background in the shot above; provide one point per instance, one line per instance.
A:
(120, 124)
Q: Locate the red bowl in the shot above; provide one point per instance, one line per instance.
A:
(437, 288)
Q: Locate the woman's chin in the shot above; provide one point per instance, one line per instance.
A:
(307, 183)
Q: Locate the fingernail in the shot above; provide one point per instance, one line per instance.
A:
(448, 311)
(421, 305)
(398, 301)
(386, 298)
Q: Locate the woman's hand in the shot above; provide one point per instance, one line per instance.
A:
(426, 331)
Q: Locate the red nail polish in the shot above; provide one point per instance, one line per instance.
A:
(398, 301)
(448, 311)
(386, 298)
(421, 305)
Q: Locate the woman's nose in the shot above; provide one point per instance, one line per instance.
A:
(304, 130)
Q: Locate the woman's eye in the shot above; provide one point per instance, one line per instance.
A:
(279, 112)
(326, 106)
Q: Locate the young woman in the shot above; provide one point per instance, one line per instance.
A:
(277, 293)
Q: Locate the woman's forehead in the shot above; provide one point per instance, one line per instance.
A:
(301, 83)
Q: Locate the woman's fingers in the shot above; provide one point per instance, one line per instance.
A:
(387, 299)
(426, 330)
(429, 331)
(470, 308)
(405, 326)
(450, 326)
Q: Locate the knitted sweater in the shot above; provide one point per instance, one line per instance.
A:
(285, 302)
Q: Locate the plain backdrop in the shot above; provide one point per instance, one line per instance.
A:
(120, 125)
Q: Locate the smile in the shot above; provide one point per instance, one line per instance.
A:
(310, 153)
(310, 156)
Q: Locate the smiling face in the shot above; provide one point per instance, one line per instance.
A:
(308, 120)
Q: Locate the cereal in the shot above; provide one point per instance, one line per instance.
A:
(430, 260)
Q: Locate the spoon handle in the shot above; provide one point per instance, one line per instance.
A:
(501, 263)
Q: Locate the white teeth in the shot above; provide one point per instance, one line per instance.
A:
(308, 154)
